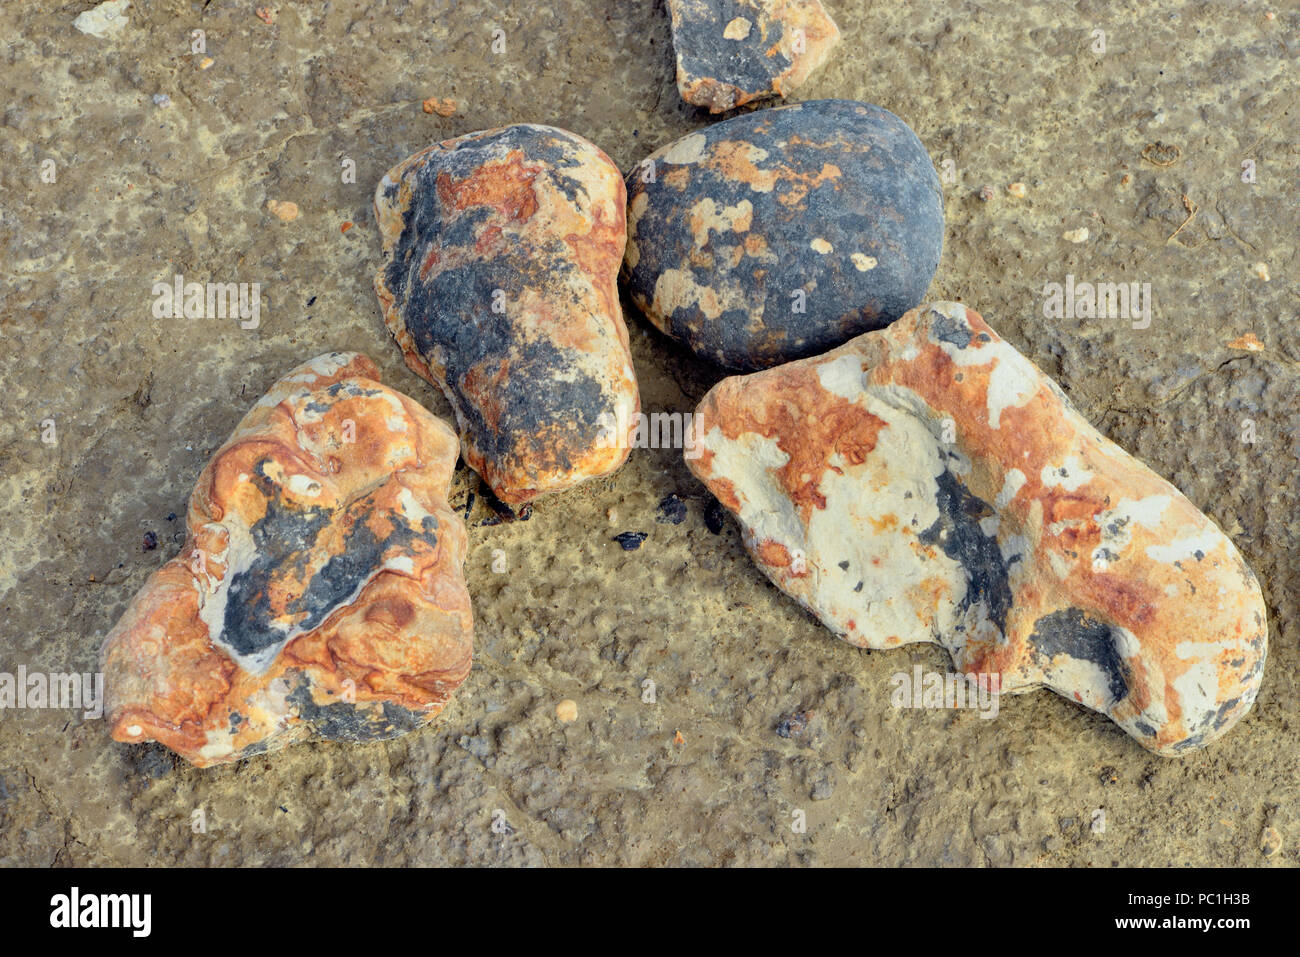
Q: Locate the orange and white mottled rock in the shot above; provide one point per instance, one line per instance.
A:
(927, 483)
(732, 52)
(320, 590)
(500, 284)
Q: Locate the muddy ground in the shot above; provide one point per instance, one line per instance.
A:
(1006, 90)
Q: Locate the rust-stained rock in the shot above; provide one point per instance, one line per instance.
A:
(319, 591)
(501, 256)
(783, 233)
(732, 52)
(928, 483)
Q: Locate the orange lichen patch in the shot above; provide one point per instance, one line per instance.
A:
(737, 160)
(505, 186)
(773, 553)
(828, 429)
(320, 589)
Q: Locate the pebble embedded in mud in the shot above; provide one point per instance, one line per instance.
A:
(783, 233)
(928, 483)
(501, 251)
(630, 541)
(320, 590)
(733, 52)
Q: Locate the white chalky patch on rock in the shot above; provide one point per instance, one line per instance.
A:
(1070, 475)
(689, 149)
(714, 218)
(737, 29)
(1185, 547)
(821, 246)
(863, 263)
(1012, 483)
(842, 377)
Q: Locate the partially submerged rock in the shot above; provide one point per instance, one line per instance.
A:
(732, 52)
(928, 483)
(319, 591)
(783, 233)
(501, 256)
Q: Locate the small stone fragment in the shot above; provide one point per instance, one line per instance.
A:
(1079, 235)
(499, 282)
(206, 62)
(630, 541)
(286, 211)
(785, 232)
(567, 711)
(104, 20)
(732, 52)
(265, 14)
(1261, 270)
(320, 590)
(150, 541)
(1270, 841)
(162, 100)
(672, 510)
(714, 517)
(1017, 190)
(927, 483)
(443, 107)
(1248, 343)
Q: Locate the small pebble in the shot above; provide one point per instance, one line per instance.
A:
(162, 99)
(286, 211)
(986, 193)
(794, 725)
(150, 541)
(108, 17)
(678, 739)
(714, 517)
(1079, 235)
(672, 510)
(206, 62)
(443, 107)
(1261, 270)
(630, 541)
(1017, 190)
(265, 14)
(1249, 343)
(1270, 841)
(567, 710)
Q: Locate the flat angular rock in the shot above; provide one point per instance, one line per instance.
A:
(500, 284)
(928, 483)
(319, 592)
(732, 52)
(783, 233)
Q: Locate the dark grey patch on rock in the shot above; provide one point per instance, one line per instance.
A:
(1074, 633)
(957, 532)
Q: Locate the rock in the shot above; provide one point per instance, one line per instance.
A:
(783, 233)
(672, 510)
(630, 541)
(731, 52)
(319, 591)
(928, 483)
(499, 282)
